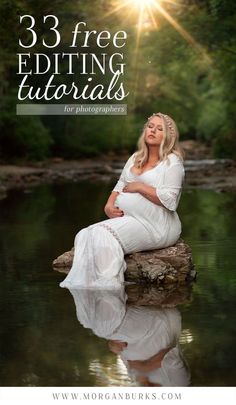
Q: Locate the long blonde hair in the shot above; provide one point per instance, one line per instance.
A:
(169, 144)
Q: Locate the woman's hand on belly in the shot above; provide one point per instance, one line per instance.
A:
(112, 211)
(132, 187)
(131, 204)
(146, 190)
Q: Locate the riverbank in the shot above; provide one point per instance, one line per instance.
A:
(202, 171)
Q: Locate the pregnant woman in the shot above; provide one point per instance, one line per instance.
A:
(141, 210)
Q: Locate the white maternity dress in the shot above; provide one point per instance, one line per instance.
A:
(100, 248)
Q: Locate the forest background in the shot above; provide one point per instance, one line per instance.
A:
(180, 59)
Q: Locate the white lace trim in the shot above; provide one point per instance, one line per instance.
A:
(113, 233)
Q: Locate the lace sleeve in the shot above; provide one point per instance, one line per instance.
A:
(121, 182)
(169, 193)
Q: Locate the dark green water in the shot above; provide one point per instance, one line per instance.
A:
(42, 342)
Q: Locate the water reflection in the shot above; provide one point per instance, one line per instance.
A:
(146, 338)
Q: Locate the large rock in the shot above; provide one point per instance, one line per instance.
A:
(161, 266)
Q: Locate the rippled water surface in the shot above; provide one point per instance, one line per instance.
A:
(44, 343)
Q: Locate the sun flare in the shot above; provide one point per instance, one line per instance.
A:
(146, 16)
(141, 3)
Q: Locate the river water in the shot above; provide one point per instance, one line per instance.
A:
(44, 343)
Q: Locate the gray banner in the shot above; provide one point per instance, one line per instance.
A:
(71, 109)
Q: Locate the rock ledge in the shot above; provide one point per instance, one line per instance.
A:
(161, 266)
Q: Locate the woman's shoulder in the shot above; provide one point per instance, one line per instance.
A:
(132, 157)
(130, 160)
(174, 159)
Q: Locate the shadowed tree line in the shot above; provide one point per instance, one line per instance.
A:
(191, 78)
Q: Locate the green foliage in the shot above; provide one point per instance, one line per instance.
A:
(193, 80)
(32, 138)
(22, 136)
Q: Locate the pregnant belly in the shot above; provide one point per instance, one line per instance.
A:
(131, 203)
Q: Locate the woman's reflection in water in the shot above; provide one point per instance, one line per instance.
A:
(145, 338)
